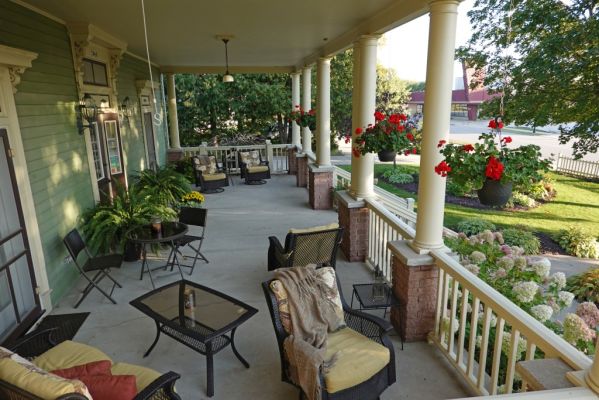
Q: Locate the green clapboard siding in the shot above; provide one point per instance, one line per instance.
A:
(132, 69)
(56, 155)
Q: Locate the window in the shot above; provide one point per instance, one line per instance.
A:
(459, 110)
(113, 147)
(94, 73)
(97, 151)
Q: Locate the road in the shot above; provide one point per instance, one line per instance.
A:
(463, 131)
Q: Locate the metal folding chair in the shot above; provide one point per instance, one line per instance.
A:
(101, 264)
(192, 217)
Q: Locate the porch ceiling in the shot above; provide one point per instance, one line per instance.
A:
(268, 33)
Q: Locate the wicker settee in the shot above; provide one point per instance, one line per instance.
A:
(150, 385)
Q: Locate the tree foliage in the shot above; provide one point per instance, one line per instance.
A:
(543, 56)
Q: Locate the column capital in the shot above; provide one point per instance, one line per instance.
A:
(447, 6)
(367, 38)
(295, 73)
(324, 59)
(306, 68)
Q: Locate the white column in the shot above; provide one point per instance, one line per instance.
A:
(306, 105)
(363, 105)
(172, 112)
(437, 108)
(295, 101)
(323, 113)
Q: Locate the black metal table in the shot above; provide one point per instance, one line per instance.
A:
(197, 316)
(145, 235)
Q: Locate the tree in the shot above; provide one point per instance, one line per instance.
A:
(542, 59)
(341, 93)
(391, 92)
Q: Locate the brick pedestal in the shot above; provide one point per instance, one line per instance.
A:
(173, 155)
(415, 279)
(320, 185)
(353, 217)
(292, 160)
(302, 170)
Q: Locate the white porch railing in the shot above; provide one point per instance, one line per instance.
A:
(275, 154)
(580, 168)
(470, 344)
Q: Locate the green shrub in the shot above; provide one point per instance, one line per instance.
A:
(538, 192)
(475, 226)
(520, 199)
(398, 175)
(522, 238)
(578, 243)
(165, 185)
(585, 286)
(459, 190)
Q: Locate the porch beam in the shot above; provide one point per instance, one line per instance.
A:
(306, 105)
(437, 105)
(323, 113)
(173, 120)
(364, 103)
(295, 101)
(219, 69)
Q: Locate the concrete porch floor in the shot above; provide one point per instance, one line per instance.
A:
(239, 223)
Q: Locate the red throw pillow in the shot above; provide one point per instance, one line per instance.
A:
(111, 387)
(92, 368)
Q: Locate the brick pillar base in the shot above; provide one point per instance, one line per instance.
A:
(173, 155)
(302, 170)
(415, 279)
(292, 160)
(353, 217)
(320, 187)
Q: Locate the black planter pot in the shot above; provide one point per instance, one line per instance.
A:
(132, 251)
(495, 193)
(386, 155)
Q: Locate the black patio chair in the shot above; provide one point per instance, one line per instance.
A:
(305, 246)
(101, 264)
(194, 217)
(373, 328)
(253, 169)
(209, 176)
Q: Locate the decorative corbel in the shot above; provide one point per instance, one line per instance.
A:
(115, 60)
(17, 61)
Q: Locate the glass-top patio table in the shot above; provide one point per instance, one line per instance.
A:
(197, 316)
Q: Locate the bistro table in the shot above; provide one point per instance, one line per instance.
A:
(198, 317)
(146, 235)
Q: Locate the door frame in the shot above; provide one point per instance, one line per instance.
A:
(13, 62)
(144, 90)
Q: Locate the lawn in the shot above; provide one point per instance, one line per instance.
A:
(576, 203)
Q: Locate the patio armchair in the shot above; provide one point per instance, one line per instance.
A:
(317, 245)
(365, 367)
(151, 385)
(253, 169)
(209, 176)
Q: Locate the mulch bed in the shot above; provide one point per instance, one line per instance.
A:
(548, 245)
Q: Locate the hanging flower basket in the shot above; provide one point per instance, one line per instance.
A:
(495, 193)
(386, 155)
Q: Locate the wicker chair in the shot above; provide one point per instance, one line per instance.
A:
(208, 176)
(370, 326)
(253, 169)
(316, 245)
(163, 388)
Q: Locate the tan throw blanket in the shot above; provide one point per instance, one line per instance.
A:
(312, 315)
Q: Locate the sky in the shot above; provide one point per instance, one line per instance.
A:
(406, 46)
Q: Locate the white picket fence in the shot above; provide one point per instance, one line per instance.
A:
(580, 168)
(275, 154)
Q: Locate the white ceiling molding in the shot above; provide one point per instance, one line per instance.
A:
(17, 61)
(174, 69)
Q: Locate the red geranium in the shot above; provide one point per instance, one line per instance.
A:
(410, 137)
(494, 125)
(443, 168)
(414, 150)
(347, 139)
(494, 169)
(507, 139)
(379, 116)
(441, 143)
(356, 152)
(358, 131)
(468, 148)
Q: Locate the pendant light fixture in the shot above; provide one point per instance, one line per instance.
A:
(227, 77)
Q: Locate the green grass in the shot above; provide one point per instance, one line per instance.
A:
(576, 203)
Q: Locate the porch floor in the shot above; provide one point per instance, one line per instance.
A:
(239, 223)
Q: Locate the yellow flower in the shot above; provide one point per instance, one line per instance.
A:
(194, 197)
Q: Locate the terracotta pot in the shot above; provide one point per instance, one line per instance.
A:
(386, 155)
(495, 193)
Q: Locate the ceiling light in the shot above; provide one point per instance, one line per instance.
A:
(227, 77)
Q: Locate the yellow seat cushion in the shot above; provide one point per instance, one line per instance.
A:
(315, 228)
(143, 376)
(38, 382)
(358, 359)
(69, 354)
(214, 177)
(257, 168)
